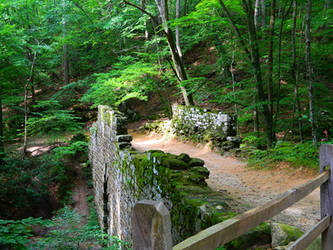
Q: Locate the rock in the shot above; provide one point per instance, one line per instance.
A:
(278, 235)
(201, 170)
(283, 234)
(124, 138)
(173, 163)
(184, 157)
(123, 145)
(196, 162)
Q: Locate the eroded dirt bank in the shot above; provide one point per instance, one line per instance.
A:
(247, 186)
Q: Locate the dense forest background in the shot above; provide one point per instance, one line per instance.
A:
(268, 61)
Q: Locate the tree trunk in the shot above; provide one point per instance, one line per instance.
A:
(309, 73)
(177, 60)
(256, 13)
(255, 59)
(143, 6)
(263, 13)
(177, 29)
(29, 81)
(283, 14)
(234, 87)
(24, 153)
(270, 58)
(2, 147)
(294, 73)
(66, 64)
(65, 47)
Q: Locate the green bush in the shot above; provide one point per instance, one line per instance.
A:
(51, 118)
(67, 232)
(15, 234)
(297, 154)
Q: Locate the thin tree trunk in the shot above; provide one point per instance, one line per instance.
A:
(256, 119)
(2, 147)
(256, 13)
(294, 72)
(255, 59)
(25, 120)
(177, 60)
(65, 47)
(29, 81)
(177, 29)
(66, 64)
(282, 15)
(235, 28)
(234, 87)
(309, 73)
(143, 6)
(263, 13)
(270, 58)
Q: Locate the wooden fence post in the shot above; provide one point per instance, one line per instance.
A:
(326, 193)
(151, 226)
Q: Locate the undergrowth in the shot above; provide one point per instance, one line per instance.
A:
(296, 154)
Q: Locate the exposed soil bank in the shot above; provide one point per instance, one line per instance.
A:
(250, 187)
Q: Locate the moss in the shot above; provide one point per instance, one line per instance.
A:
(259, 235)
(184, 157)
(201, 170)
(173, 163)
(292, 233)
(194, 162)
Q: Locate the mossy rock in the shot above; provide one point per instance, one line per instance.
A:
(260, 235)
(196, 162)
(283, 234)
(184, 157)
(187, 189)
(197, 179)
(173, 163)
(155, 151)
(201, 170)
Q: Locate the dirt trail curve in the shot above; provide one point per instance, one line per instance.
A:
(247, 186)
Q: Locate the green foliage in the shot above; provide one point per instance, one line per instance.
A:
(68, 232)
(15, 234)
(122, 83)
(23, 184)
(297, 154)
(52, 119)
(65, 231)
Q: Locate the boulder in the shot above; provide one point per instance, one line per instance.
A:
(196, 162)
(283, 234)
(184, 157)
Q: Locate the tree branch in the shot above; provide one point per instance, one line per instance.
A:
(142, 10)
(234, 27)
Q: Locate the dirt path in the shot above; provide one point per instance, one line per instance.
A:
(247, 186)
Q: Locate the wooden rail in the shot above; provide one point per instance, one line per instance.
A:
(223, 232)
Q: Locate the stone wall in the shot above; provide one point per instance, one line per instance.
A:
(206, 125)
(122, 176)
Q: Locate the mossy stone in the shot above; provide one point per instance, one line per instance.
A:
(283, 234)
(173, 163)
(201, 170)
(196, 162)
(184, 157)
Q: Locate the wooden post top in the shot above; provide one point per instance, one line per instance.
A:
(151, 226)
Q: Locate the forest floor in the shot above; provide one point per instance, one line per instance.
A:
(249, 187)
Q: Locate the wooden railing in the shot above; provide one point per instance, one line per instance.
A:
(151, 226)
